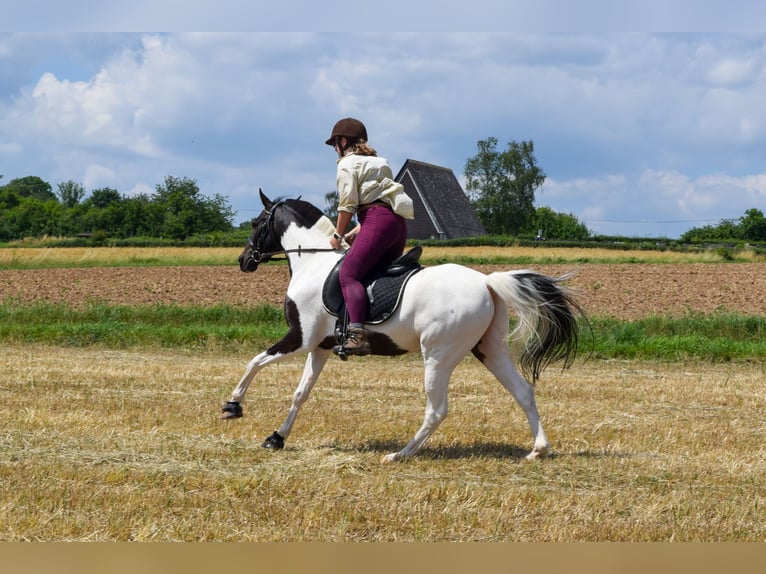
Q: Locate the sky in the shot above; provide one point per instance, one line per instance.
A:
(645, 127)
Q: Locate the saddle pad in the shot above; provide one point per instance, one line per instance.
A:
(383, 290)
(384, 294)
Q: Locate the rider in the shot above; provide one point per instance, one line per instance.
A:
(366, 187)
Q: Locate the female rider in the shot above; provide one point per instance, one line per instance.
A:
(366, 187)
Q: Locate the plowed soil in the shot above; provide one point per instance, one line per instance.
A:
(626, 291)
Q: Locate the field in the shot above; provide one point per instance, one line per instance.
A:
(617, 289)
(105, 444)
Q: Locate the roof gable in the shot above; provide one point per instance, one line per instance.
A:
(441, 207)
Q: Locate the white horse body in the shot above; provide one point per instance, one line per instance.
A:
(446, 311)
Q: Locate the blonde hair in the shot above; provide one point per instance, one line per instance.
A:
(360, 147)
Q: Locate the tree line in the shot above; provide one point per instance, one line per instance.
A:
(176, 210)
(750, 227)
(500, 184)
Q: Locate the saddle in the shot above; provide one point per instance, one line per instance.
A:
(384, 287)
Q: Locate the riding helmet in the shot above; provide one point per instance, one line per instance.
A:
(349, 128)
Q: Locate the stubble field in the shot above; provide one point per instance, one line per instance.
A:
(101, 444)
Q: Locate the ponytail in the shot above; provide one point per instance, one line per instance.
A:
(360, 147)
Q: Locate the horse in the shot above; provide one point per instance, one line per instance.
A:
(445, 312)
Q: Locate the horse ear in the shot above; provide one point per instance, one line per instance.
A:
(267, 203)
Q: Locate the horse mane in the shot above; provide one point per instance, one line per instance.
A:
(325, 225)
(311, 216)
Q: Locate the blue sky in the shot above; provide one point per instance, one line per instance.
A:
(640, 133)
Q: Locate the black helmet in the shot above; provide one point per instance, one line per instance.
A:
(349, 128)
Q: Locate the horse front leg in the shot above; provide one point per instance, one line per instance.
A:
(233, 407)
(315, 362)
(289, 345)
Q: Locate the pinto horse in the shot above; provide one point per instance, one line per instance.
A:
(445, 312)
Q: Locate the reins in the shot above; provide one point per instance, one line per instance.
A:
(268, 255)
(257, 256)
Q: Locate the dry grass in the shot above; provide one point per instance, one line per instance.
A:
(41, 257)
(110, 445)
(582, 254)
(33, 257)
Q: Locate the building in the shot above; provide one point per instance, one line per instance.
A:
(442, 210)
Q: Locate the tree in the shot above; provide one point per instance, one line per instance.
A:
(749, 227)
(103, 197)
(31, 218)
(8, 199)
(753, 225)
(502, 185)
(331, 199)
(135, 220)
(556, 225)
(70, 193)
(179, 209)
(31, 186)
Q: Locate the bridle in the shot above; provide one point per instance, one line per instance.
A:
(257, 255)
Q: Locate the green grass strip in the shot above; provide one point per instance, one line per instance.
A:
(218, 327)
(717, 337)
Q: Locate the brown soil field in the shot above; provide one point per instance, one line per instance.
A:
(625, 291)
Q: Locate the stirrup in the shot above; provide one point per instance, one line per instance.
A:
(341, 352)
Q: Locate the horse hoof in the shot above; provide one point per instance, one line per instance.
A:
(231, 410)
(274, 442)
(388, 459)
(537, 454)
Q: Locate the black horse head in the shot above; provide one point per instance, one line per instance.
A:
(265, 239)
(270, 226)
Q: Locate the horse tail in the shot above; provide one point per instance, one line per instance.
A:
(547, 326)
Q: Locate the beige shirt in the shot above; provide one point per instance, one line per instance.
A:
(362, 179)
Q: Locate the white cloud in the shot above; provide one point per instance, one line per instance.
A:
(97, 176)
(628, 127)
(654, 203)
(730, 72)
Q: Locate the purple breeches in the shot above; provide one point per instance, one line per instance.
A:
(380, 241)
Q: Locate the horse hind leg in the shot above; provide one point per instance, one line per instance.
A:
(493, 353)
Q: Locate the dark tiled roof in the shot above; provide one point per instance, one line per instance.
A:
(442, 209)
